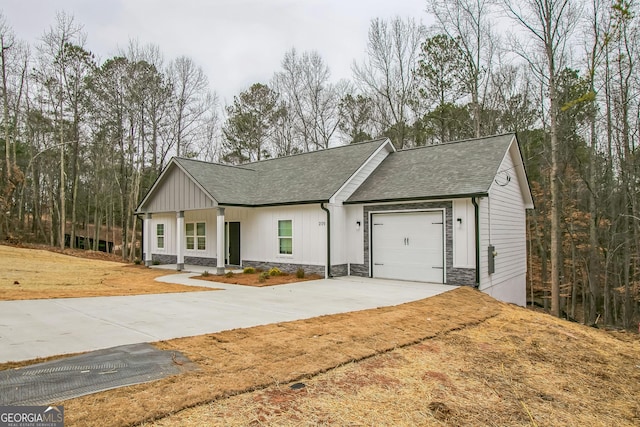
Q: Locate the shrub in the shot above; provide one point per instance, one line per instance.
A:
(263, 277)
(249, 270)
(275, 271)
(205, 273)
(300, 273)
(137, 261)
(229, 274)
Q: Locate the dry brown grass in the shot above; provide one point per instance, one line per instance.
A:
(519, 368)
(239, 361)
(37, 274)
(457, 359)
(253, 279)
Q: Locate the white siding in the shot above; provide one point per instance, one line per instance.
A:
(503, 225)
(259, 234)
(209, 217)
(338, 234)
(361, 175)
(177, 192)
(464, 239)
(354, 235)
(169, 221)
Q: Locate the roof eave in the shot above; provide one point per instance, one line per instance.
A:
(418, 199)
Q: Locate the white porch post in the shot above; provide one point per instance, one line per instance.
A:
(147, 241)
(180, 241)
(220, 242)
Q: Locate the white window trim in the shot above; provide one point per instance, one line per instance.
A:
(162, 248)
(281, 255)
(195, 236)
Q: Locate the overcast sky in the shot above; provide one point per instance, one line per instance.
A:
(236, 42)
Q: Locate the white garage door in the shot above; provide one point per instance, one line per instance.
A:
(408, 246)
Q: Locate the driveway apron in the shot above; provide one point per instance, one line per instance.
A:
(41, 328)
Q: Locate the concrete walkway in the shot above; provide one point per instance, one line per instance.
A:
(40, 328)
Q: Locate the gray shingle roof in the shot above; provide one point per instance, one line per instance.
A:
(301, 178)
(448, 170)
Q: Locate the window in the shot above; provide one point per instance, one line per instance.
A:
(196, 233)
(160, 235)
(285, 237)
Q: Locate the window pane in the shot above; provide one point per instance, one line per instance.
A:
(201, 243)
(284, 228)
(160, 242)
(201, 229)
(286, 246)
(189, 242)
(189, 229)
(160, 229)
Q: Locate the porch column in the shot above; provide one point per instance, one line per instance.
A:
(147, 241)
(220, 242)
(180, 241)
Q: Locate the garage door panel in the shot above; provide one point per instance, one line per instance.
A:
(408, 246)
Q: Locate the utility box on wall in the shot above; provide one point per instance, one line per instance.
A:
(492, 259)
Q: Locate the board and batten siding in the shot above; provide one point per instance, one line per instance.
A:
(503, 225)
(464, 235)
(169, 222)
(259, 234)
(361, 174)
(177, 192)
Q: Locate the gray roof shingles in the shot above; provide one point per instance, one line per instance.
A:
(453, 169)
(301, 178)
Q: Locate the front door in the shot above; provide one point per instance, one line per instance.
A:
(234, 243)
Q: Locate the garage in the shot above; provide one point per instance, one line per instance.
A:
(408, 246)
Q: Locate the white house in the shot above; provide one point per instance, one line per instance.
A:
(451, 213)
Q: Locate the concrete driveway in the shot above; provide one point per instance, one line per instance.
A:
(40, 328)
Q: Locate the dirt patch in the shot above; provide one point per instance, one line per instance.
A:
(42, 274)
(253, 279)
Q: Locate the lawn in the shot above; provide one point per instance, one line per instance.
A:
(37, 274)
(457, 359)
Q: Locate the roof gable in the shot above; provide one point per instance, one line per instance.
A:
(456, 169)
(311, 177)
(175, 190)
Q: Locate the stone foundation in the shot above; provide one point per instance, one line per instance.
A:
(339, 270)
(164, 259)
(205, 262)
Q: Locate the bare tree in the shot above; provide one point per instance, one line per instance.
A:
(192, 101)
(304, 86)
(55, 51)
(469, 22)
(548, 25)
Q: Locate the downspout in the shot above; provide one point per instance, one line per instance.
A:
(476, 210)
(322, 206)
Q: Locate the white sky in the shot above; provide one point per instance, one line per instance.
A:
(236, 42)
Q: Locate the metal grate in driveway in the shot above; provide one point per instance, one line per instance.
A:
(49, 382)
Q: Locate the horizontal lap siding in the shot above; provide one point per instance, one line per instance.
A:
(503, 225)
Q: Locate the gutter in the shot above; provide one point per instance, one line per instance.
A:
(322, 206)
(476, 210)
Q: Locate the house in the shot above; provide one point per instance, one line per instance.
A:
(452, 213)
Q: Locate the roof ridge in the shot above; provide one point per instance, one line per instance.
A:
(317, 151)
(216, 163)
(457, 141)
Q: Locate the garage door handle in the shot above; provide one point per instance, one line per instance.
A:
(439, 268)
(377, 263)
